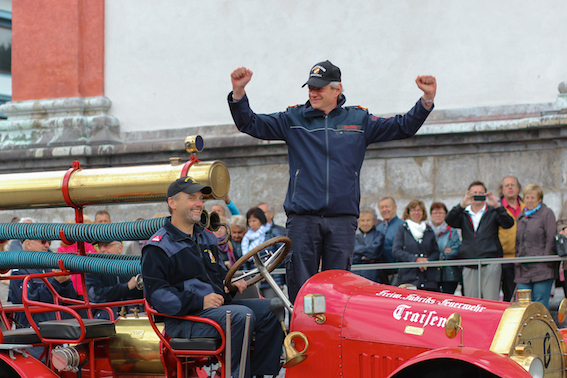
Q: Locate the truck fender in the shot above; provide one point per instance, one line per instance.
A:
(461, 362)
(23, 367)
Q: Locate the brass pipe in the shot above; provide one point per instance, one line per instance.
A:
(147, 183)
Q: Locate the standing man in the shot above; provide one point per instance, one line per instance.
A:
(509, 192)
(184, 275)
(479, 215)
(326, 145)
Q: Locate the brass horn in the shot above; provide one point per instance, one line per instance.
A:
(293, 357)
(212, 222)
(205, 221)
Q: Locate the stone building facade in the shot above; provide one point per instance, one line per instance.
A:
(63, 110)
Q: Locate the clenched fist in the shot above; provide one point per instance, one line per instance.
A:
(240, 77)
(428, 85)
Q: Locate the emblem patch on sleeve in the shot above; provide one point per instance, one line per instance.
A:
(211, 256)
(157, 238)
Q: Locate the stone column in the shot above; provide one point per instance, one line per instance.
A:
(57, 76)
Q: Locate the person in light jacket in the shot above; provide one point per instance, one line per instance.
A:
(535, 237)
(415, 242)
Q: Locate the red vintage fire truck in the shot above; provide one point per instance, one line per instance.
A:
(341, 325)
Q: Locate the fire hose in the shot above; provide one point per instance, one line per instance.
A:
(127, 266)
(107, 232)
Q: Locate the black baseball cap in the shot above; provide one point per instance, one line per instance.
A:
(187, 185)
(322, 74)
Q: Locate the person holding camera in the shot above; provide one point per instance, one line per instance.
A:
(478, 216)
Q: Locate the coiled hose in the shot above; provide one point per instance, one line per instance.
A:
(114, 265)
(104, 232)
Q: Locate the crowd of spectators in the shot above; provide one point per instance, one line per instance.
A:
(511, 223)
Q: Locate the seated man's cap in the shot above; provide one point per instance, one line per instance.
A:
(107, 242)
(322, 74)
(187, 185)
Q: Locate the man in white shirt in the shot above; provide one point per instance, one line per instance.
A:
(478, 216)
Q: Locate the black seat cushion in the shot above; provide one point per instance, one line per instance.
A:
(200, 343)
(21, 336)
(71, 330)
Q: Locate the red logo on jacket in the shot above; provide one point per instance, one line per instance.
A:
(157, 238)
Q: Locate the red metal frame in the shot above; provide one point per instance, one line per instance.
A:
(192, 160)
(164, 339)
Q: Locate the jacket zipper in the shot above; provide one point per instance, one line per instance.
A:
(327, 155)
(295, 184)
(356, 192)
(211, 282)
(472, 224)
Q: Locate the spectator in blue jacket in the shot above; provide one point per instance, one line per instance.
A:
(388, 209)
(16, 244)
(449, 242)
(238, 227)
(369, 245)
(220, 210)
(272, 231)
(107, 288)
(37, 289)
(326, 146)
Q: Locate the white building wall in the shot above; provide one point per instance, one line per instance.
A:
(168, 63)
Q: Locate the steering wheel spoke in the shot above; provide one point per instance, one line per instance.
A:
(270, 263)
(246, 274)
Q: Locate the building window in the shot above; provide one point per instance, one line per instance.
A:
(5, 42)
(5, 58)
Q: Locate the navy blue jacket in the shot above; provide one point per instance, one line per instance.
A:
(370, 246)
(105, 288)
(407, 249)
(179, 271)
(37, 291)
(325, 152)
(389, 230)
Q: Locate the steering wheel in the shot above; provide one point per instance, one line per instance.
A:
(263, 267)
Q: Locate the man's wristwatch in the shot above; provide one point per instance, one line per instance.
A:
(427, 102)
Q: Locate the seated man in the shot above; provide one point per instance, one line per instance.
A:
(184, 275)
(106, 288)
(37, 290)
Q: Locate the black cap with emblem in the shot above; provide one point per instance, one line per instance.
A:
(322, 74)
(188, 185)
